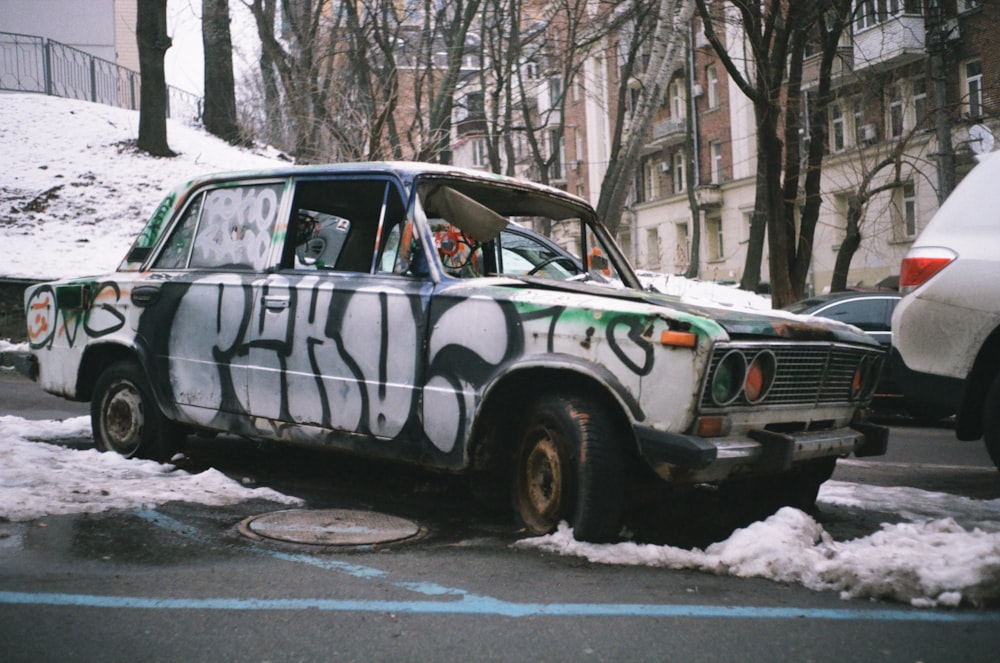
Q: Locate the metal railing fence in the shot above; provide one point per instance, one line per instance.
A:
(29, 63)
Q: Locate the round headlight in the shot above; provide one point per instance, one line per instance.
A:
(728, 378)
(760, 376)
(863, 384)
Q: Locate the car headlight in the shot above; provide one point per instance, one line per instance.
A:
(728, 379)
(760, 376)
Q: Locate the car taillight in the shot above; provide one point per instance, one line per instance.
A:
(920, 264)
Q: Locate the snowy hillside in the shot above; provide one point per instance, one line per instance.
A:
(74, 192)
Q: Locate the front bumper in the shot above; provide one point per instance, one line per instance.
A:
(693, 459)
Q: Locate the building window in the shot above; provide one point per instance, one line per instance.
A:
(716, 150)
(651, 179)
(678, 171)
(863, 134)
(716, 246)
(678, 107)
(681, 259)
(909, 209)
(972, 72)
(895, 111)
(869, 13)
(919, 101)
(480, 156)
(653, 248)
(905, 209)
(712, 80)
(837, 141)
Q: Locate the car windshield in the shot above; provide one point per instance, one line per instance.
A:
(492, 229)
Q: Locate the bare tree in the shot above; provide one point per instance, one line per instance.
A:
(667, 22)
(151, 35)
(776, 34)
(303, 62)
(219, 115)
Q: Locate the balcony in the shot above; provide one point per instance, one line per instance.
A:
(894, 42)
(843, 64)
(708, 195)
(666, 132)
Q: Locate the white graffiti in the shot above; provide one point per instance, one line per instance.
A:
(236, 227)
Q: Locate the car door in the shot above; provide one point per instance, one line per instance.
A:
(337, 336)
(199, 296)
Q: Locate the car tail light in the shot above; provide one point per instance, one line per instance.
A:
(921, 264)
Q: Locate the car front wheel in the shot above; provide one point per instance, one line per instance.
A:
(569, 467)
(125, 417)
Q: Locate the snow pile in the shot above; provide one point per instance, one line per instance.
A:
(39, 479)
(693, 291)
(933, 563)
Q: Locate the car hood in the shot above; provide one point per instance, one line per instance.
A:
(738, 323)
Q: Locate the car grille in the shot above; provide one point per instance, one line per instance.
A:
(805, 374)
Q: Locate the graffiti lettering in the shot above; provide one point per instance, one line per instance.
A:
(641, 365)
(106, 318)
(41, 317)
(156, 222)
(236, 227)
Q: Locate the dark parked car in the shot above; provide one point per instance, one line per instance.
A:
(871, 312)
(399, 311)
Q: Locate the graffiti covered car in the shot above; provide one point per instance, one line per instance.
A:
(396, 311)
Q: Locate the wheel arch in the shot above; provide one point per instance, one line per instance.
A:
(984, 371)
(513, 391)
(99, 356)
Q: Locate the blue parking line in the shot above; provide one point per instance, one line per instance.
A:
(458, 601)
(483, 606)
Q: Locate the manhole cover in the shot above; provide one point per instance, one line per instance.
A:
(331, 527)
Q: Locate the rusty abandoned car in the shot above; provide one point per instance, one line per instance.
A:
(400, 311)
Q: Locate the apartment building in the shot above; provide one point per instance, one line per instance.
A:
(882, 136)
(908, 74)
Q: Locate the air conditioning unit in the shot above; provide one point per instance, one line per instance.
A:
(868, 133)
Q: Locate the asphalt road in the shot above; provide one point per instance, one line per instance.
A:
(180, 582)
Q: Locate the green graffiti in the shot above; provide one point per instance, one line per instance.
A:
(156, 222)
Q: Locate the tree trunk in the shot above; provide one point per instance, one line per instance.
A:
(273, 134)
(153, 42)
(852, 240)
(220, 89)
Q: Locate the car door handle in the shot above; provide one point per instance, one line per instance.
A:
(275, 302)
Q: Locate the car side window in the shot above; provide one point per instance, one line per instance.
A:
(865, 314)
(336, 224)
(178, 249)
(230, 227)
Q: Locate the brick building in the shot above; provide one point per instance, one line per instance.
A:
(888, 98)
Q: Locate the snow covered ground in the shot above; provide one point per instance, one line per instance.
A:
(73, 195)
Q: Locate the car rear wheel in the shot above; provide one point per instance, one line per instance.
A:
(125, 417)
(569, 467)
(991, 422)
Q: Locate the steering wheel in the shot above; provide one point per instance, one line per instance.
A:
(548, 261)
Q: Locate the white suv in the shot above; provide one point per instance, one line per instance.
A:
(946, 329)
